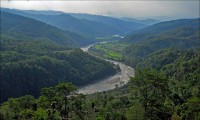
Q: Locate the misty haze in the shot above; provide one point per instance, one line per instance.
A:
(100, 60)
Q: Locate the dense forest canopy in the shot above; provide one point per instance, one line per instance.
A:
(173, 27)
(39, 68)
(84, 24)
(26, 28)
(166, 57)
(184, 35)
(36, 55)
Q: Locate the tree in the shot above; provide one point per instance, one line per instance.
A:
(64, 89)
(151, 88)
(77, 105)
(135, 112)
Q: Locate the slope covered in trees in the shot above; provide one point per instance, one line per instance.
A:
(184, 35)
(85, 24)
(162, 28)
(25, 28)
(150, 95)
(171, 90)
(178, 38)
(121, 25)
(165, 86)
(81, 26)
(36, 55)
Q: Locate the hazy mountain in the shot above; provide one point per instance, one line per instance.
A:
(43, 12)
(121, 25)
(81, 26)
(169, 25)
(144, 21)
(91, 25)
(163, 28)
(70, 23)
(21, 27)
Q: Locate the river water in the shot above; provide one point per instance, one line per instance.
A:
(119, 79)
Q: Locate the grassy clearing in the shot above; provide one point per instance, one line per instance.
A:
(111, 50)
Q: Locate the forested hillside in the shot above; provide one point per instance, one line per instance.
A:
(35, 55)
(183, 38)
(171, 92)
(21, 27)
(85, 24)
(81, 26)
(162, 28)
(182, 66)
(167, 63)
(121, 25)
(184, 35)
(40, 71)
(131, 54)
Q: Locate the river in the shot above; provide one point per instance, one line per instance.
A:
(119, 79)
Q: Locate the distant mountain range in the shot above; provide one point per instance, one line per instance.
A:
(121, 25)
(145, 21)
(20, 27)
(85, 24)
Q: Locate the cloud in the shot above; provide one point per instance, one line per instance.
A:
(136, 9)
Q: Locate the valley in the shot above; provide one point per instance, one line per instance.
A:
(42, 57)
(118, 80)
(57, 65)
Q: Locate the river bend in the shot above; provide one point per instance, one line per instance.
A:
(119, 79)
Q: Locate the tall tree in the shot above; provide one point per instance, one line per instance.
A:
(151, 88)
(65, 89)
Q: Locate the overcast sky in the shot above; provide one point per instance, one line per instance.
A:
(134, 9)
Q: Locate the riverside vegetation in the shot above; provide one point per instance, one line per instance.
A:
(41, 57)
(166, 83)
(167, 48)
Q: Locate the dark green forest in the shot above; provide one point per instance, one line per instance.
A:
(182, 34)
(42, 69)
(167, 63)
(150, 95)
(18, 27)
(30, 62)
(84, 24)
(178, 38)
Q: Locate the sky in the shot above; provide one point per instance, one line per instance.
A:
(134, 9)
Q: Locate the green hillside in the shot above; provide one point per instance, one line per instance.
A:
(179, 38)
(40, 72)
(25, 28)
(142, 46)
(85, 24)
(122, 26)
(163, 28)
(32, 59)
(166, 82)
(170, 93)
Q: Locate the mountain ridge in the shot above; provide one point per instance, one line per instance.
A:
(102, 26)
(31, 28)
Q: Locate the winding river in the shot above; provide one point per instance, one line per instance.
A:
(119, 79)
